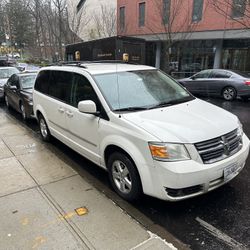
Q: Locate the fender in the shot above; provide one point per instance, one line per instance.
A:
(143, 165)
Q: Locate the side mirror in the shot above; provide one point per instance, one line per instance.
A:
(88, 107)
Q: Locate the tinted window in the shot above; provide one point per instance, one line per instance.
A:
(82, 90)
(60, 85)
(42, 82)
(220, 74)
(14, 81)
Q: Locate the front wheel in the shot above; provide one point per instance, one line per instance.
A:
(229, 93)
(23, 112)
(6, 101)
(124, 176)
(44, 130)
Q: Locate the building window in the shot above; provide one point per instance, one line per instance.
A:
(80, 4)
(141, 14)
(197, 10)
(166, 11)
(122, 18)
(238, 8)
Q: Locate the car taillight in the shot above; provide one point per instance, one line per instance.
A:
(247, 82)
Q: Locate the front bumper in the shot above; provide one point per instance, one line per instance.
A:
(176, 181)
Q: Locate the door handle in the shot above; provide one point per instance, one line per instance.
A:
(61, 110)
(69, 114)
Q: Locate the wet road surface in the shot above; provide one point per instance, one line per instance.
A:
(217, 220)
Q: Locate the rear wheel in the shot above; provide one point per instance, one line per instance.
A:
(44, 130)
(229, 93)
(124, 176)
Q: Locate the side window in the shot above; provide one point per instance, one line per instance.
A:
(82, 90)
(201, 75)
(221, 74)
(60, 85)
(10, 81)
(42, 82)
(14, 81)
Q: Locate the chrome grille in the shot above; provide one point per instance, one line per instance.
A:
(219, 148)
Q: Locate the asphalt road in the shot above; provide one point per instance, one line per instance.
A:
(217, 220)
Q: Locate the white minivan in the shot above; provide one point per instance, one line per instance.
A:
(149, 132)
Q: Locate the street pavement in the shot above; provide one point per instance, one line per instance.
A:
(46, 204)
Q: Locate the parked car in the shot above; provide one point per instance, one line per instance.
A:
(24, 67)
(18, 93)
(5, 73)
(145, 129)
(6, 61)
(218, 82)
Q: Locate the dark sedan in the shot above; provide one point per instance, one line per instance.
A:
(217, 82)
(18, 93)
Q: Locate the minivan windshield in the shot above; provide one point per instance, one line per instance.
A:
(139, 90)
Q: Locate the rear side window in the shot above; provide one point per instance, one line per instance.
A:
(220, 74)
(42, 82)
(60, 85)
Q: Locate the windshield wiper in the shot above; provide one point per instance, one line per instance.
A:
(131, 109)
(173, 102)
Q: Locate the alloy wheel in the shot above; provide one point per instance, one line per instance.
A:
(23, 111)
(229, 94)
(121, 177)
(43, 128)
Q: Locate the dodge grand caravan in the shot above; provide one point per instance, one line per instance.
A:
(147, 131)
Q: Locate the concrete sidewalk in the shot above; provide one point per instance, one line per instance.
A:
(45, 204)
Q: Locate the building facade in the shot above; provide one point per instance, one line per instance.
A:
(190, 35)
(92, 19)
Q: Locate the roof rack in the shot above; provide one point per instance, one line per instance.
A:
(81, 63)
(69, 63)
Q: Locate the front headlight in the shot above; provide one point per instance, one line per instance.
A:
(168, 151)
(240, 129)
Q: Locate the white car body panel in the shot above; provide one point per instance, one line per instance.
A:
(186, 123)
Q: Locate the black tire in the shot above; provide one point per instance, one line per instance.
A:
(23, 112)
(120, 184)
(44, 129)
(229, 93)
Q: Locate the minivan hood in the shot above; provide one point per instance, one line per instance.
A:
(189, 122)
